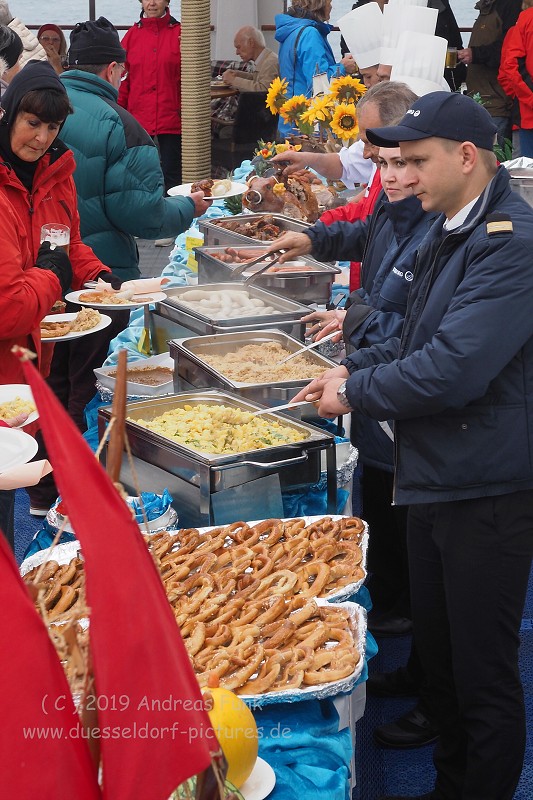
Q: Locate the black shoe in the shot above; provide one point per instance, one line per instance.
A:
(392, 684)
(412, 730)
(389, 625)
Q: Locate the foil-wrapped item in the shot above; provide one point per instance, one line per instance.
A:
(346, 470)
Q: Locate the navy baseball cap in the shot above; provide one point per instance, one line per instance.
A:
(446, 115)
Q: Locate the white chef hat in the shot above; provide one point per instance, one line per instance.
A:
(419, 62)
(399, 18)
(362, 30)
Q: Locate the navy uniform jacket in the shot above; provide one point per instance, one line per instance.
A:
(459, 382)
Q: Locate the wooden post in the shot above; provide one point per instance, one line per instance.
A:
(115, 447)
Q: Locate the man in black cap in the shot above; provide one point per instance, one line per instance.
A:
(120, 195)
(459, 385)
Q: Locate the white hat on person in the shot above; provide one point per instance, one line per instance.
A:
(420, 61)
(399, 18)
(362, 29)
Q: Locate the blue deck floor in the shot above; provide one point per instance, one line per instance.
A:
(379, 771)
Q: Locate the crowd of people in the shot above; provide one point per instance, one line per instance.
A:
(437, 377)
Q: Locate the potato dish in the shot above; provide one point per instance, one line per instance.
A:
(258, 363)
(219, 429)
(12, 408)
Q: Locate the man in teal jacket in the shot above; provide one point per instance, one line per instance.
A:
(120, 195)
(118, 174)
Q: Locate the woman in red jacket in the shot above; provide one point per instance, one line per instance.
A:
(516, 73)
(36, 187)
(151, 88)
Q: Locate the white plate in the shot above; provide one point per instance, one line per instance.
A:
(11, 390)
(16, 448)
(185, 189)
(104, 322)
(260, 783)
(140, 300)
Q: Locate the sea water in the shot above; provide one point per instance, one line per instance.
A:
(124, 12)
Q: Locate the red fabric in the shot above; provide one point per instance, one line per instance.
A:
(136, 647)
(352, 212)
(517, 44)
(53, 199)
(34, 696)
(152, 89)
(26, 293)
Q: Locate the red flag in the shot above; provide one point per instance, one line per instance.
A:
(42, 749)
(154, 732)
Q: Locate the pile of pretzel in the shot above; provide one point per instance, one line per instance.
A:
(61, 589)
(243, 598)
(59, 593)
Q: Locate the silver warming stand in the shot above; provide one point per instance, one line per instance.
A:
(215, 489)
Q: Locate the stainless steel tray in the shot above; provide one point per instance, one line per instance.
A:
(215, 234)
(190, 368)
(178, 458)
(287, 317)
(303, 287)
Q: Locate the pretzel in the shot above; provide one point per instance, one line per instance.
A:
(312, 578)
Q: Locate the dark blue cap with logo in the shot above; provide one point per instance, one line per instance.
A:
(446, 115)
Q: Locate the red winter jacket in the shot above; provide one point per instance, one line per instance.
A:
(516, 66)
(27, 293)
(151, 90)
(352, 212)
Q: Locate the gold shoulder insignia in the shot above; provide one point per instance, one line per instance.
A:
(500, 226)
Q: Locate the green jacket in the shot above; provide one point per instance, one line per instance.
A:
(118, 176)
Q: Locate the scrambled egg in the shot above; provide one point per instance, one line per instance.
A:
(14, 407)
(220, 429)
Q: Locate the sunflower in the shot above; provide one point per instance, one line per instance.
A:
(276, 95)
(346, 89)
(344, 122)
(319, 111)
(293, 107)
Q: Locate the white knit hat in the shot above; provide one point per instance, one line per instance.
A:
(362, 29)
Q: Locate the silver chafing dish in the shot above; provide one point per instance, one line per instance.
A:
(313, 286)
(190, 368)
(172, 319)
(194, 477)
(216, 234)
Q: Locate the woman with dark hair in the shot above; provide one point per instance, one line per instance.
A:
(10, 53)
(151, 86)
(36, 187)
(304, 49)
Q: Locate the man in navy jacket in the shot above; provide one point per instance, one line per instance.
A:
(459, 385)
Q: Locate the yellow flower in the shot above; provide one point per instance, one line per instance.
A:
(282, 148)
(293, 107)
(319, 110)
(344, 122)
(276, 95)
(279, 188)
(346, 89)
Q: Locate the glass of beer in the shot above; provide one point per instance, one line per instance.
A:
(451, 57)
(57, 234)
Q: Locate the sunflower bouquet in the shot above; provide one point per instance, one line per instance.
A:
(331, 117)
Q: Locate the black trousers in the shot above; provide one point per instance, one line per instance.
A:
(169, 146)
(387, 546)
(469, 565)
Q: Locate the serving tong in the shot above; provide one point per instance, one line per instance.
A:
(309, 347)
(238, 271)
